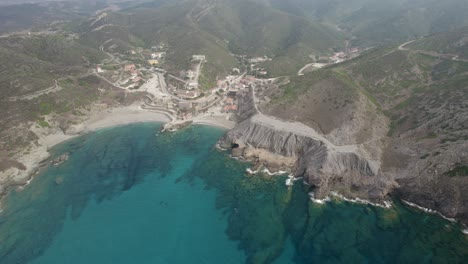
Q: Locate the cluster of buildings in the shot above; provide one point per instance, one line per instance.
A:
(259, 59)
(230, 103)
(338, 57)
(261, 72)
(344, 55)
(134, 80)
(156, 57)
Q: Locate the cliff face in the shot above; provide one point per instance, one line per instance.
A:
(318, 162)
(371, 167)
(351, 169)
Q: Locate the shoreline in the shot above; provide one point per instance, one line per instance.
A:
(133, 114)
(107, 118)
(110, 118)
(125, 116)
(385, 204)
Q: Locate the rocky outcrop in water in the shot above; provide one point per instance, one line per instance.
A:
(60, 159)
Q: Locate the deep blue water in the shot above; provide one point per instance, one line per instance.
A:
(129, 195)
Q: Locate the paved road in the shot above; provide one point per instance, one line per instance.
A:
(162, 83)
(314, 64)
(430, 53)
(402, 46)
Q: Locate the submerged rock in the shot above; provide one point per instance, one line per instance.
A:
(60, 159)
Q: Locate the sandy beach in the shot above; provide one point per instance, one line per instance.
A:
(128, 115)
(49, 138)
(108, 118)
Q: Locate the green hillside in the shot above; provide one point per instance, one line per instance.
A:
(216, 29)
(409, 87)
(37, 16)
(376, 22)
(22, 74)
(451, 43)
(56, 49)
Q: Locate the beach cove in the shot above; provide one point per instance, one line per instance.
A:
(98, 118)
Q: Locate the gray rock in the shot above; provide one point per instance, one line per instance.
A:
(323, 167)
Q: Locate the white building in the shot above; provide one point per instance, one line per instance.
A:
(192, 85)
(157, 55)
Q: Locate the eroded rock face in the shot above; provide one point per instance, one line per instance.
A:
(369, 165)
(322, 165)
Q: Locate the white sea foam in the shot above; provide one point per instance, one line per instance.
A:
(319, 201)
(220, 148)
(250, 171)
(291, 179)
(265, 170)
(427, 210)
(386, 204)
(27, 182)
(465, 231)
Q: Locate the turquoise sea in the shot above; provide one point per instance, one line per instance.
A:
(131, 195)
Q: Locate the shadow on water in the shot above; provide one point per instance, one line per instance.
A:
(263, 216)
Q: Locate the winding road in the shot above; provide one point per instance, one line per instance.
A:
(31, 96)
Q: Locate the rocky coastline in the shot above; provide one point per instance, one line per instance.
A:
(351, 171)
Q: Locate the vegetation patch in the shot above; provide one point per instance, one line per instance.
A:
(459, 171)
(43, 123)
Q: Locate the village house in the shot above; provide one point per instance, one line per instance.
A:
(157, 55)
(192, 85)
(153, 62)
(229, 108)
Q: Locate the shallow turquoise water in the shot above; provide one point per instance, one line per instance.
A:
(128, 195)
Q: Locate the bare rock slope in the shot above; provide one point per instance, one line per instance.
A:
(351, 169)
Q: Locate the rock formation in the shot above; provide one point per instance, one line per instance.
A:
(323, 165)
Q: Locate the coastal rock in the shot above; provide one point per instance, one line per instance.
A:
(367, 165)
(60, 159)
(324, 166)
(427, 181)
(176, 125)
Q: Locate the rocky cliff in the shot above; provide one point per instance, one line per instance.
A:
(349, 169)
(373, 168)
(322, 165)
